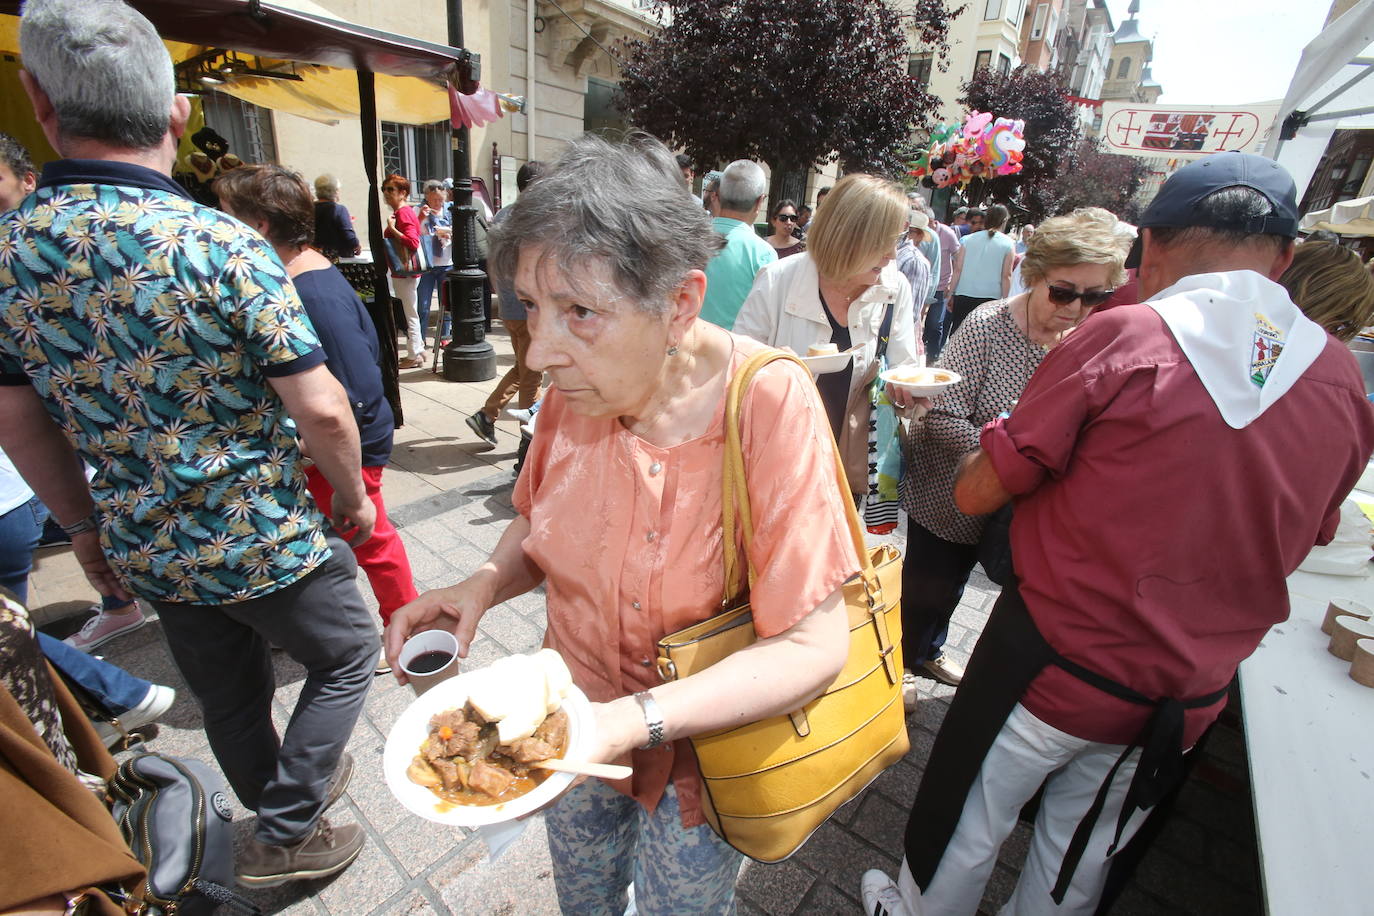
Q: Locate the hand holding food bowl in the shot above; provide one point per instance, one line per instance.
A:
(919, 381)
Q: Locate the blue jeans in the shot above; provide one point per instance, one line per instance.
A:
(114, 688)
(934, 331)
(431, 280)
(602, 841)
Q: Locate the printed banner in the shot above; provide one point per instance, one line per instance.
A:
(1184, 131)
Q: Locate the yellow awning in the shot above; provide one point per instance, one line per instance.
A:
(326, 94)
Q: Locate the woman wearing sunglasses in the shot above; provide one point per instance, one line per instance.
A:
(1070, 267)
(783, 221)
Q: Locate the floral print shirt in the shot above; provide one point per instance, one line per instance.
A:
(149, 326)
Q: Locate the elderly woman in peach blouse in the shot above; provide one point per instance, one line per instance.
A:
(619, 518)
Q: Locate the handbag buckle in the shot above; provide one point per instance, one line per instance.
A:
(666, 669)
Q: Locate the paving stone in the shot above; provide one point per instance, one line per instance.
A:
(417, 844)
(775, 889)
(520, 883)
(365, 884)
(1000, 885)
(412, 903)
(512, 631)
(843, 857)
(826, 898)
(879, 820)
(898, 783)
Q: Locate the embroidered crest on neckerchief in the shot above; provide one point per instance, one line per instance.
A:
(1265, 348)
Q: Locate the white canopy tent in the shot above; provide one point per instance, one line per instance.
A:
(1330, 90)
(1349, 217)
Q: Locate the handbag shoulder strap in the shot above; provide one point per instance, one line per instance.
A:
(735, 509)
(884, 332)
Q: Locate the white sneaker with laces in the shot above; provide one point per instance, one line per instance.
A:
(156, 701)
(105, 626)
(881, 896)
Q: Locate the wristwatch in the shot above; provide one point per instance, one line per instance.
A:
(86, 524)
(653, 718)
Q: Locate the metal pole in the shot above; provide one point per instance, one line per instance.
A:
(468, 356)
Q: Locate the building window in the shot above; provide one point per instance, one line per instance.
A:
(1015, 11)
(982, 61)
(1042, 13)
(918, 68)
(993, 10)
(1003, 64)
(1358, 169)
(417, 152)
(1125, 69)
(247, 127)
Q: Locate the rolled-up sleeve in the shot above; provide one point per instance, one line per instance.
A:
(803, 548)
(1039, 437)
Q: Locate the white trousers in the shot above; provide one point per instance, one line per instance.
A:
(404, 288)
(1026, 752)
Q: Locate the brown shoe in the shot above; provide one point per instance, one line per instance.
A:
(327, 850)
(944, 669)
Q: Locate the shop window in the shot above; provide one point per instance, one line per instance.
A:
(419, 152)
(247, 127)
(918, 68)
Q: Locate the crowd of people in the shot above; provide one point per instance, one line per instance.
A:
(194, 395)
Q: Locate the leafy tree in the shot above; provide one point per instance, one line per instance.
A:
(790, 82)
(1101, 179)
(1040, 99)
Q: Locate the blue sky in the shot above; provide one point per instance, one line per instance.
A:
(1225, 51)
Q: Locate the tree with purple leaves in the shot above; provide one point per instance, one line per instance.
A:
(789, 82)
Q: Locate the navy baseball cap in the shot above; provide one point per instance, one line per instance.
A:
(1177, 200)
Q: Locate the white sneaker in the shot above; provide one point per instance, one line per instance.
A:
(105, 626)
(155, 702)
(519, 413)
(881, 896)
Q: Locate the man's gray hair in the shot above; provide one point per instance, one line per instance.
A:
(1234, 206)
(103, 67)
(741, 185)
(623, 204)
(434, 184)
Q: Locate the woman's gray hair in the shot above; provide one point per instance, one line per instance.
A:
(327, 187)
(103, 67)
(434, 184)
(623, 204)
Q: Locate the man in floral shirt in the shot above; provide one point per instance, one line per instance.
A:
(163, 341)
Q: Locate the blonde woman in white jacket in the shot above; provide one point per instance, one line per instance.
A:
(839, 291)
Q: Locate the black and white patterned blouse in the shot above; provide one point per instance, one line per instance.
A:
(24, 673)
(995, 360)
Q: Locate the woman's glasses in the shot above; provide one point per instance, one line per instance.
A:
(1064, 295)
(789, 217)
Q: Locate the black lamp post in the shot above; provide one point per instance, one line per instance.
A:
(468, 356)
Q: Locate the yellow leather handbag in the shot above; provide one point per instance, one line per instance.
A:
(770, 784)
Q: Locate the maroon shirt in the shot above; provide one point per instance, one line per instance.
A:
(1152, 540)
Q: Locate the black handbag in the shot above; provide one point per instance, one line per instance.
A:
(994, 548)
(175, 816)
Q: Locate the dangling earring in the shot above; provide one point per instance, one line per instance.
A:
(672, 351)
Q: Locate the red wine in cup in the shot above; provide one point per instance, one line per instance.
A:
(428, 662)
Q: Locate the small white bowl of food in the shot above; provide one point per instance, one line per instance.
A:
(920, 381)
(825, 358)
(469, 751)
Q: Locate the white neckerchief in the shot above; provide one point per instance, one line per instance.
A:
(1244, 337)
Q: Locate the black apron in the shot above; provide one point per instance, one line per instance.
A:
(1008, 656)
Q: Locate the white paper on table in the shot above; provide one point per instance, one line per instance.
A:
(1348, 553)
(499, 837)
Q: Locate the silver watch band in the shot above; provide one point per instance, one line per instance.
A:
(653, 718)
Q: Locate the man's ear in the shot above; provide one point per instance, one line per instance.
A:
(181, 113)
(43, 111)
(1282, 260)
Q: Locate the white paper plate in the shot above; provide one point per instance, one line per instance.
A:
(831, 362)
(922, 389)
(410, 730)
